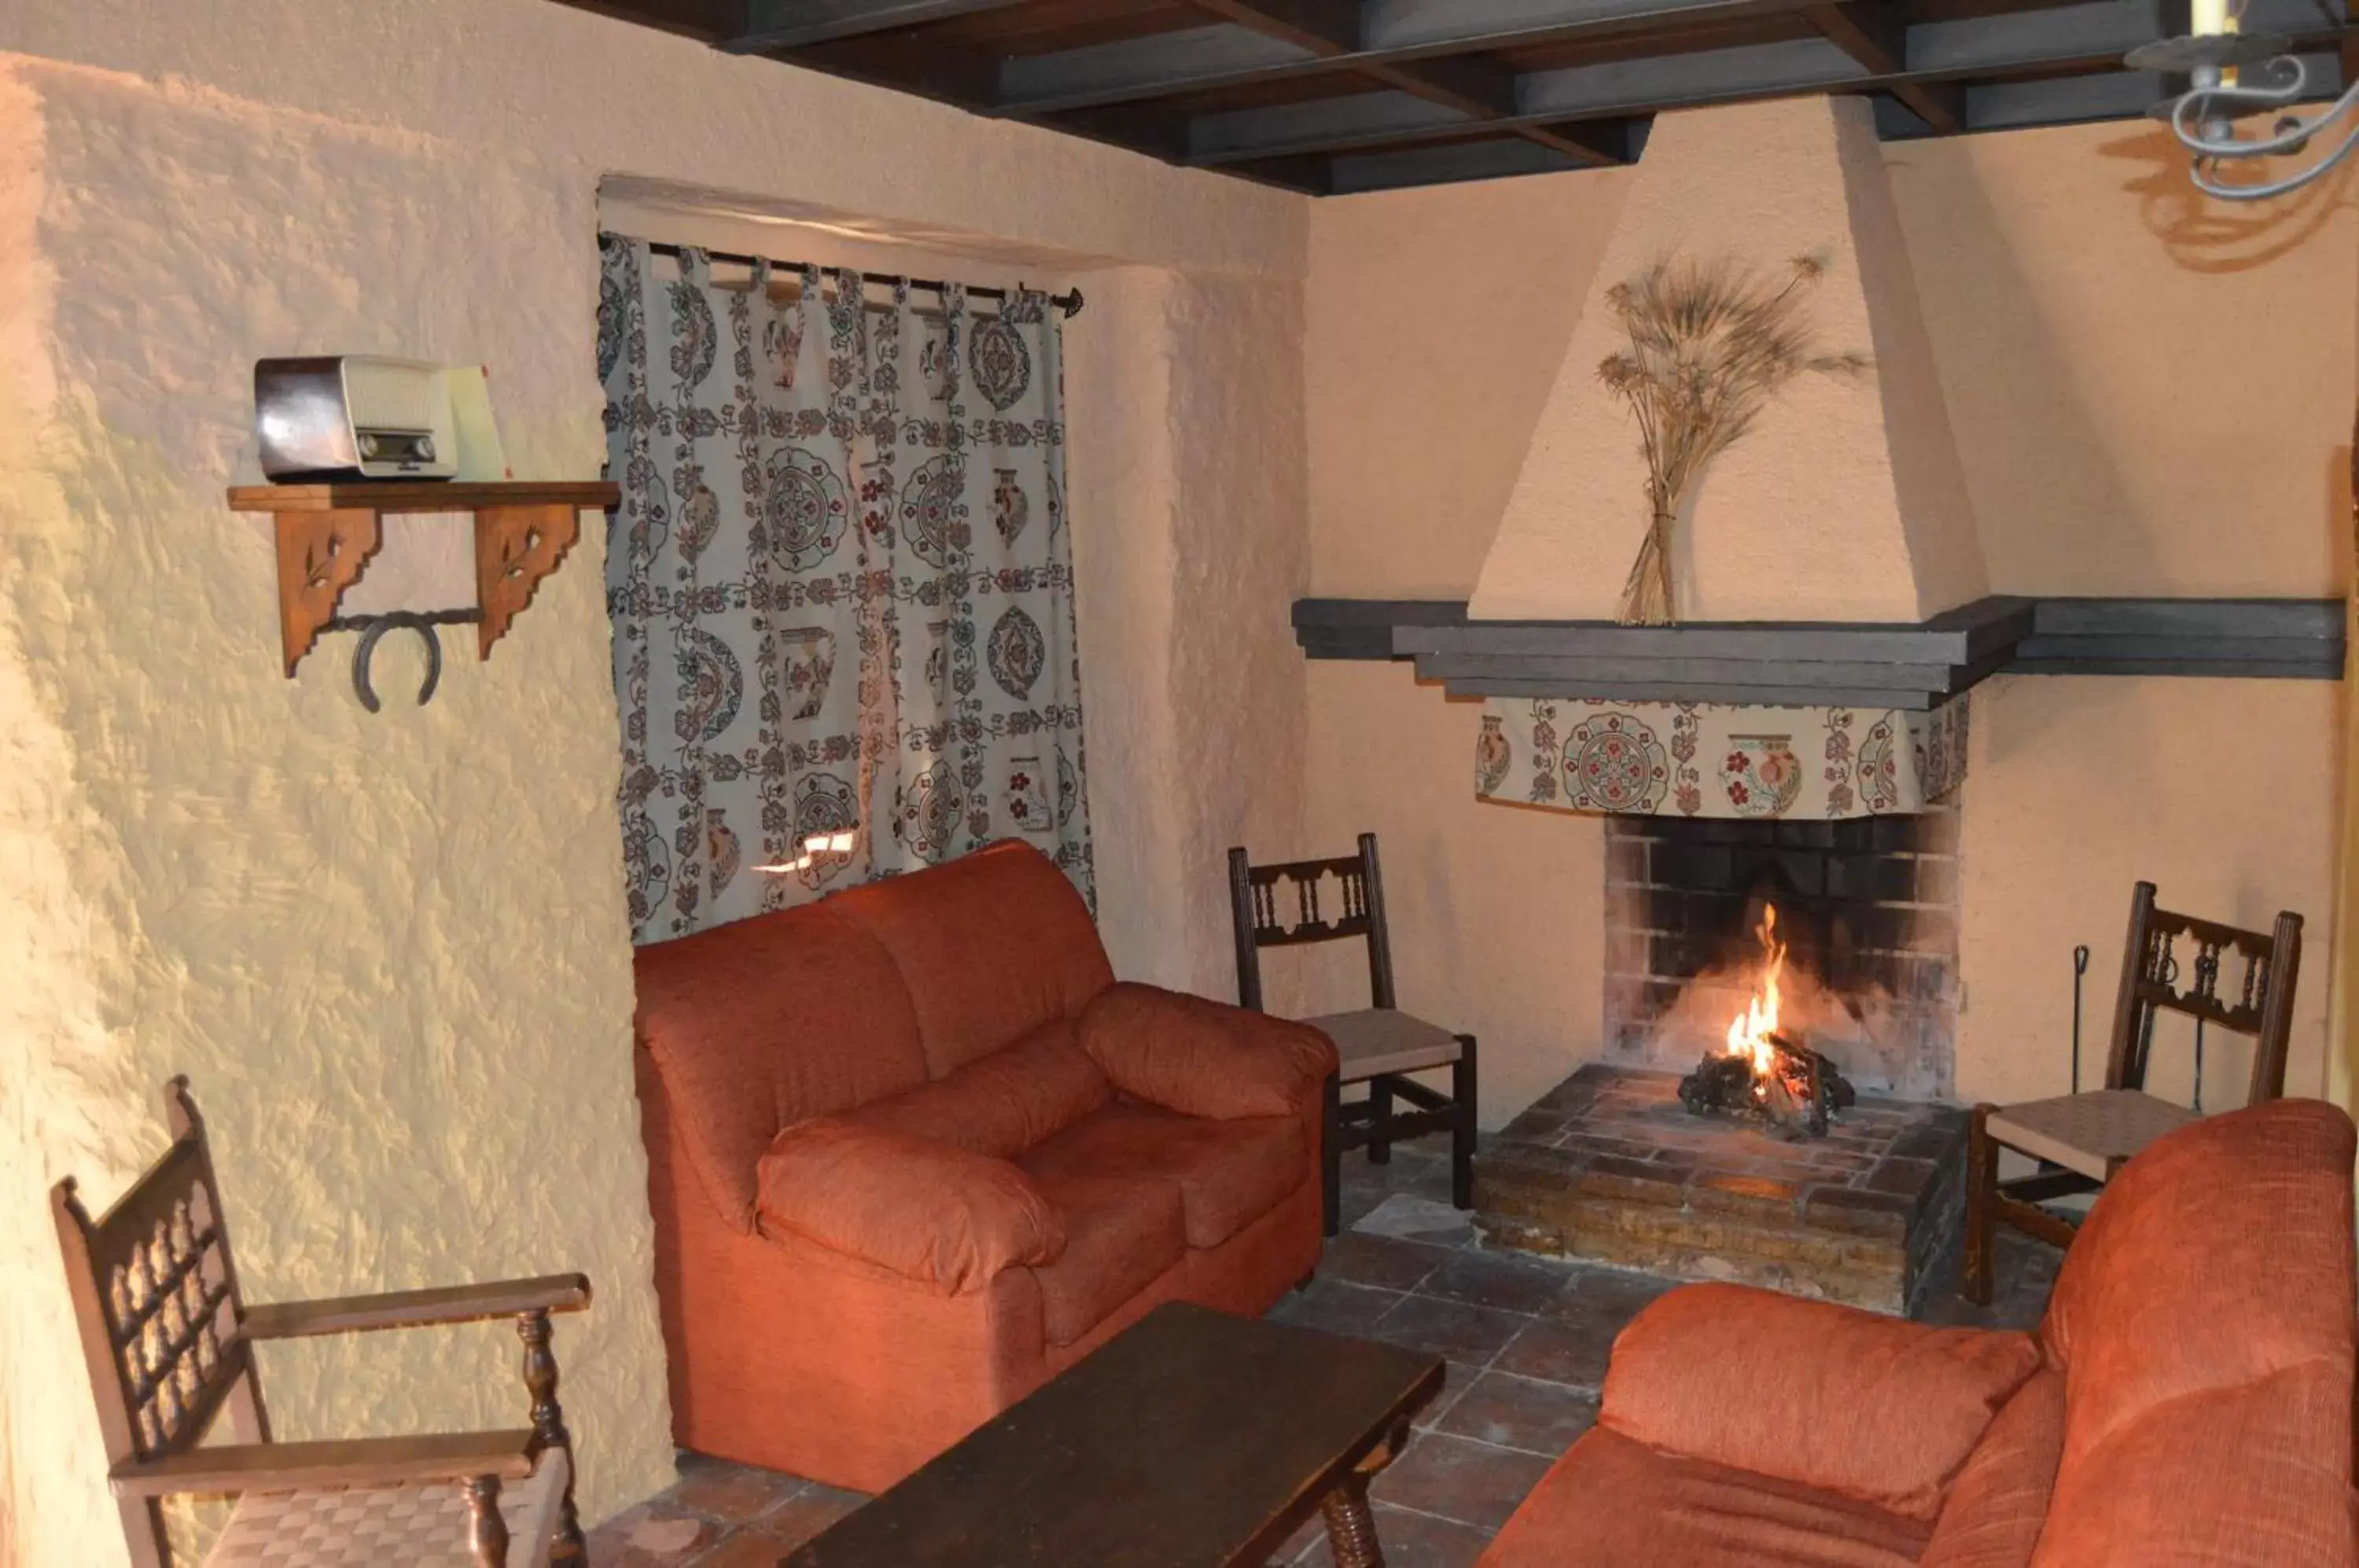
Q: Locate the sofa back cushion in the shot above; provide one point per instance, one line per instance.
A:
(989, 947)
(2204, 1319)
(759, 1023)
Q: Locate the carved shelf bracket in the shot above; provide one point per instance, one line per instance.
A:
(328, 532)
(320, 554)
(515, 546)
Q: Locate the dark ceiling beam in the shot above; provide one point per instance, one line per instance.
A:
(1393, 33)
(703, 20)
(2087, 38)
(1473, 85)
(774, 24)
(1875, 34)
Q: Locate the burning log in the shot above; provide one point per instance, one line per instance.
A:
(1796, 1090)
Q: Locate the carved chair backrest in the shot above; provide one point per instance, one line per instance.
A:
(2258, 1000)
(156, 1298)
(1261, 915)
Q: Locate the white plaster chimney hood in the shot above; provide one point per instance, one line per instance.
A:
(1845, 501)
(1818, 556)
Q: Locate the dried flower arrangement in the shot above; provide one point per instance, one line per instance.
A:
(1709, 345)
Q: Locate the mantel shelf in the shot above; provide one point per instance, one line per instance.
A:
(327, 533)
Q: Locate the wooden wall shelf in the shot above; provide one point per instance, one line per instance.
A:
(328, 532)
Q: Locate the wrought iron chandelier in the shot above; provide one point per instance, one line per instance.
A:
(2234, 75)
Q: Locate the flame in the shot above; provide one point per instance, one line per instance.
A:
(1749, 1033)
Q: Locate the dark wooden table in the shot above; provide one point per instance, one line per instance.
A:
(1193, 1440)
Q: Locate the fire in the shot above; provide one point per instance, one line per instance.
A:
(1749, 1033)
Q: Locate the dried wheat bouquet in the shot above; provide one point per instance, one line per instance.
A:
(1709, 345)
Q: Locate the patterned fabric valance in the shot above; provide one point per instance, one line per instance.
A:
(1702, 761)
(840, 584)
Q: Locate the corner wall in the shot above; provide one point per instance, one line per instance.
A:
(2072, 296)
(391, 950)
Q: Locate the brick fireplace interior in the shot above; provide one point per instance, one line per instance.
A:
(1867, 908)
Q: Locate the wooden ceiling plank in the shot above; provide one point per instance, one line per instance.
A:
(774, 24)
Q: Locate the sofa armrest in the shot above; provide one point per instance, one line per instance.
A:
(941, 1216)
(1204, 1058)
(1874, 1408)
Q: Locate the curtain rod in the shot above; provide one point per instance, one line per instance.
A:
(1069, 303)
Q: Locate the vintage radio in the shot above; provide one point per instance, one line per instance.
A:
(341, 417)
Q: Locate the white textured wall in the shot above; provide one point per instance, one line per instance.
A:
(391, 950)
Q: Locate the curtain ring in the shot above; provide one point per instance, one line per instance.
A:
(366, 650)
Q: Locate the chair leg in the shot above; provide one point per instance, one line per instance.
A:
(1380, 1117)
(1330, 1153)
(548, 1425)
(1974, 1280)
(1462, 1135)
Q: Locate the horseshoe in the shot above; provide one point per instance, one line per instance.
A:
(366, 650)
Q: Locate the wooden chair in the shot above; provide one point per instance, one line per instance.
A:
(169, 1342)
(2081, 1140)
(1378, 1044)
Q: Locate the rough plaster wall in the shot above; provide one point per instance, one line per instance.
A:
(389, 951)
(1436, 320)
(542, 78)
(2065, 306)
(1188, 549)
(2224, 793)
(217, 871)
(1758, 184)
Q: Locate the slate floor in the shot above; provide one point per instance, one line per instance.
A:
(1526, 1343)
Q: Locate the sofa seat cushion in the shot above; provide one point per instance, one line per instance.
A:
(936, 1214)
(1003, 1103)
(1228, 1173)
(1612, 1502)
(1824, 1396)
(1120, 1236)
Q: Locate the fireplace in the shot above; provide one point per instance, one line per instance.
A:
(1614, 1165)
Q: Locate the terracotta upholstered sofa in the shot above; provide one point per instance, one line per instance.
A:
(912, 1151)
(2187, 1400)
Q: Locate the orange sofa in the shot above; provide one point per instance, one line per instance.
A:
(2187, 1400)
(912, 1151)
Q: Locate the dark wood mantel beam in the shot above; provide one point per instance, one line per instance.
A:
(1875, 34)
(774, 24)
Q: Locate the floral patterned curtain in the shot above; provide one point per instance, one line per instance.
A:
(840, 586)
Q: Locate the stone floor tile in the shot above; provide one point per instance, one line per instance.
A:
(1556, 1350)
(1386, 1261)
(1454, 1329)
(805, 1514)
(1526, 1413)
(731, 1492)
(1505, 1280)
(1336, 1306)
(745, 1548)
(1606, 1293)
(1411, 1541)
(657, 1533)
(1468, 1482)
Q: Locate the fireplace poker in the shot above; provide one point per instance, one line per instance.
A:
(2080, 969)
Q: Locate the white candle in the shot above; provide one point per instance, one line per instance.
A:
(2211, 16)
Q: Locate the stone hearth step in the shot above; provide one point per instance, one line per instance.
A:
(1608, 1166)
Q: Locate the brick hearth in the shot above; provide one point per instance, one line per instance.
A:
(1609, 1166)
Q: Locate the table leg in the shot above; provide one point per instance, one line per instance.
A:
(1350, 1528)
